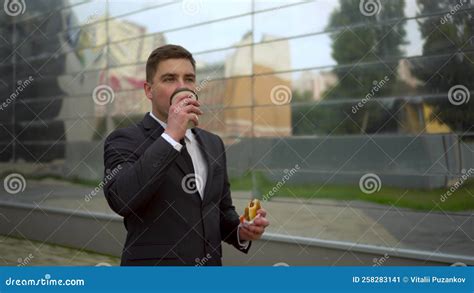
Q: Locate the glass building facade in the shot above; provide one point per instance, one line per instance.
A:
(331, 104)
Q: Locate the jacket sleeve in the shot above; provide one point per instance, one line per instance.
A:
(131, 181)
(229, 219)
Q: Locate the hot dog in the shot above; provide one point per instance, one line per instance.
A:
(250, 211)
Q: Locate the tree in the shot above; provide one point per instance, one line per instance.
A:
(448, 59)
(365, 48)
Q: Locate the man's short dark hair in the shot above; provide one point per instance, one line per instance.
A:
(163, 53)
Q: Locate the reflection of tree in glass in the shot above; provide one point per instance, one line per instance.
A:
(448, 37)
(363, 39)
(361, 45)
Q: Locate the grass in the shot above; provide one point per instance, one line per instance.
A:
(419, 199)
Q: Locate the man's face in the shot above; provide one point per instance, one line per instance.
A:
(170, 75)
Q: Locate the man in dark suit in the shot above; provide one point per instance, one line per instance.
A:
(171, 186)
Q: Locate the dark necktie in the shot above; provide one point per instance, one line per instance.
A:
(191, 177)
(186, 156)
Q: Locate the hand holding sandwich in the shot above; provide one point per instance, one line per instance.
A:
(253, 222)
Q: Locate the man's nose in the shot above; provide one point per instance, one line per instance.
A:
(181, 83)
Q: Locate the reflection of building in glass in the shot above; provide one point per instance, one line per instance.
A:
(315, 83)
(265, 122)
(32, 118)
(129, 78)
(418, 115)
(328, 63)
(408, 133)
(228, 99)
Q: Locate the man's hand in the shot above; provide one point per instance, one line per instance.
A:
(255, 230)
(180, 113)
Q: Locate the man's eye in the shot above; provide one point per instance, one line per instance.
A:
(168, 79)
(190, 79)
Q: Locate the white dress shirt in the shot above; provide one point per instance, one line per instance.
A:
(199, 163)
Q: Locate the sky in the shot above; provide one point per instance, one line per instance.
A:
(301, 19)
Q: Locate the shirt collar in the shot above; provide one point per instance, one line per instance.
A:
(189, 134)
(163, 124)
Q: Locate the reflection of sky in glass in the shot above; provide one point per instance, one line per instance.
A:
(299, 20)
(295, 20)
(88, 12)
(413, 46)
(211, 36)
(120, 7)
(177, 15)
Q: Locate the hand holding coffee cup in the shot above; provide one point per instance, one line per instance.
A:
(183, 95)
(183, 92)
(183, 112)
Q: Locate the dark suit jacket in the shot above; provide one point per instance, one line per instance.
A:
(165, 225)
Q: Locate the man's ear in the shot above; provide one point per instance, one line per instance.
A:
(147, 88)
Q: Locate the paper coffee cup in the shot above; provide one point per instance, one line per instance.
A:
(180, 92)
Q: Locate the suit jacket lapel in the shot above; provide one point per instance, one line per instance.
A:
(154, 130)
(204, 147)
